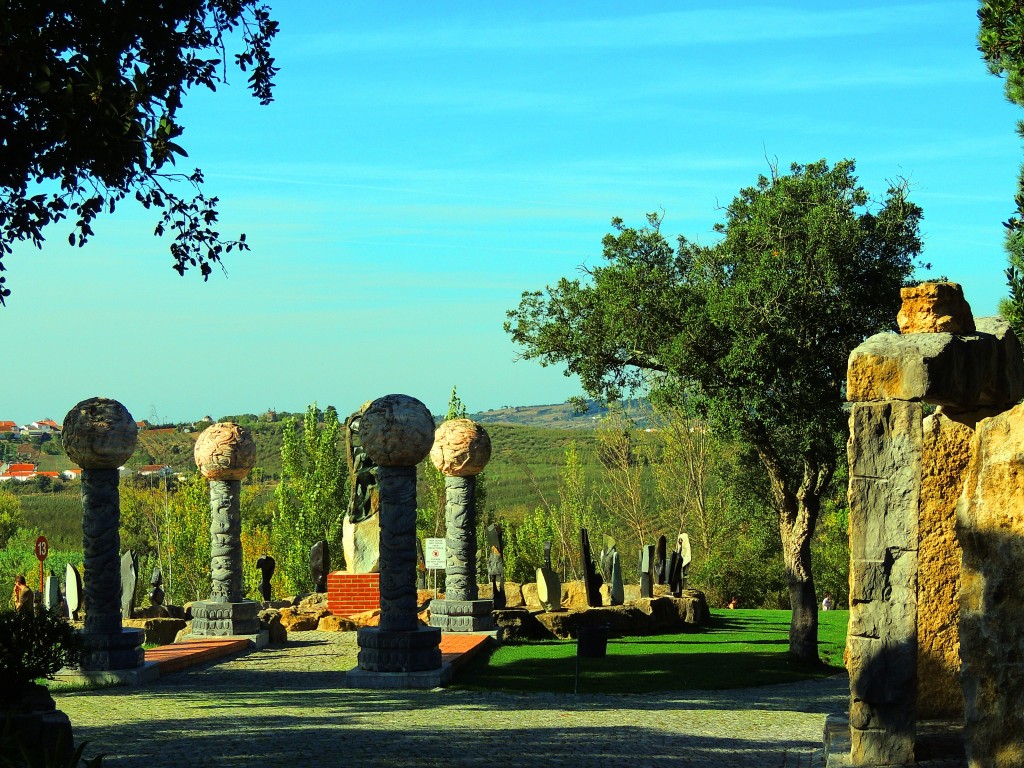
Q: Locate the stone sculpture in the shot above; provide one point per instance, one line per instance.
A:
(647, 571)
(224, 454)
(591, 579)
(605, 558)
(265, 564)
(678, 565)
(397, 432)
(156, 581)
(549, 586)
(361, 527)
(320, 565)
(496, 564)
(661, 561)
(99, 435)
(72, 591)
(129, 580)
(460, 451)
(616, 589)
(51, 593)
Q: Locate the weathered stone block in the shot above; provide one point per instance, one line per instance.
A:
(934, 307)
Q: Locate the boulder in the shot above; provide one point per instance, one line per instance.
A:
(574, 595)
(530, 599)
(183, 633)
(315, 603)
(336, 624)
(151, 612)
(270, 620)
(294, 621)
(159, 631)
(935, 308)
(513, 593)
(516, 624)
(366, 618)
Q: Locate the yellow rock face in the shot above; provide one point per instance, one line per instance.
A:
(871, 377)
(225, 451)
(935, 308)
(461, 448)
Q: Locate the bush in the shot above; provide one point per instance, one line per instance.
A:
(32, 646)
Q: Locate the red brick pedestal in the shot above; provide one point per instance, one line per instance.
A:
(349, 593)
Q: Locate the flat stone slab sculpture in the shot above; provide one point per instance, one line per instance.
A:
(496, 565)
(129, 580)
(460, 451)
(397, 432)
(72, 591)
(99, 435)
(224, 454)
(549, 586)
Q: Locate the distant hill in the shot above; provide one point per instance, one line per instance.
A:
(560, 415)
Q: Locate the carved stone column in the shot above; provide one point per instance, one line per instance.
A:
(225, 453)
(397, 432)
(99, 435)
(461, 450)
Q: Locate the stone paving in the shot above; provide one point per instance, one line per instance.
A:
(285, 706)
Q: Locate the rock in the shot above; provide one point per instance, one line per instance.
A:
(990, 528)
(423, 598)
(314, 603)
(513, 594)
(461, 448)
(366, 618)
(935, 308)
(183, 633)
(159, 631)
(270, 620)
(574, 596)
(152, 612)
(336, 624)
(516, 624)
(361, 542)
(530, 598)
(294, 621)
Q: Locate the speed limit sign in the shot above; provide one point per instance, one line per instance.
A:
(42, 548)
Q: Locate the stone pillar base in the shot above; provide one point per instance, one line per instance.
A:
(106, 651)
(382, 650)
(225, 619)
(462, 615)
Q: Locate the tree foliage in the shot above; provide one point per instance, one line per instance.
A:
(311, 499)
(89, 100)
(758, 326)
(1001, 42)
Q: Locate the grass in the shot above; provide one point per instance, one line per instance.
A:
(741, 648)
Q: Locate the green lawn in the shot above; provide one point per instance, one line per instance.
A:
(741, 648)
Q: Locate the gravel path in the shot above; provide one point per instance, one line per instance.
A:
(284, 706)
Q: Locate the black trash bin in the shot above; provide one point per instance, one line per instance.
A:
(592, 642)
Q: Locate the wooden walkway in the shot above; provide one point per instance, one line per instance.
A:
(456, 649)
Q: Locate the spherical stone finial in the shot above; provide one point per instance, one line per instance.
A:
(396, 431)
(935, 308)
(461, 448)
(225, 451)
(99, 433)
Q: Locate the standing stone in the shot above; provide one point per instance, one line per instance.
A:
(129, 580)
(397, 432)
(496, 564)
(156, 581)
(320, 565)
(647, 571)
(460, 451)
(990, 527)
(591, 579)
(549, 586)
(661, 561)
(72, 591)
(99, 435)
(51, 593)
(616, 592)
(224, 454)
(265, 565)
(885, 451)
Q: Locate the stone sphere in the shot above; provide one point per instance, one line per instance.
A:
(99, 433)
(461, 448)
(396, 431)
(225, 451)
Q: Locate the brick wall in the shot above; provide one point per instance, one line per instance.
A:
(349, 593)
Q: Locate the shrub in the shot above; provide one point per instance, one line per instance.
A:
(32, 646)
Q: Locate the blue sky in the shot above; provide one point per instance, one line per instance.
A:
(425, 163)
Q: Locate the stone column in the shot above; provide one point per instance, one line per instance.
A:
(461, 450)
(397, 431)
(100, 435)
(224, 453)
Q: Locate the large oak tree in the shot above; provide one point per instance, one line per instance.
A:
(757, 328)
(89, 98)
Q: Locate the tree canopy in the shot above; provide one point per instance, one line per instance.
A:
(89, 99)
(756, 328)
(1001, 42)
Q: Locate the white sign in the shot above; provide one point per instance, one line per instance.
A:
(434, 553)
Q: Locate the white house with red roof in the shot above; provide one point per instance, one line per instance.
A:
(19, 472)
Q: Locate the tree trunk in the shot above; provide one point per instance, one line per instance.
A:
(803, 628)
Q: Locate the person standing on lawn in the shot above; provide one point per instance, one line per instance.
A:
(22, 596)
